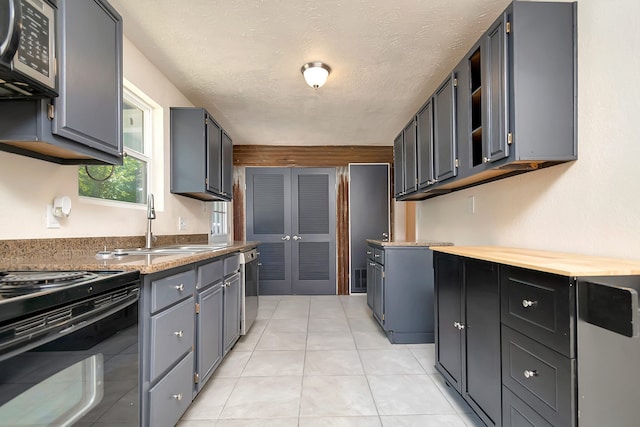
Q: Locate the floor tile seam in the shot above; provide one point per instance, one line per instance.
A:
(235, 384)
(366, 377)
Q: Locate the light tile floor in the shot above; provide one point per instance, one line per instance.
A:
(312, 361)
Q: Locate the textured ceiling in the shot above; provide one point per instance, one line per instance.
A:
(241, 59)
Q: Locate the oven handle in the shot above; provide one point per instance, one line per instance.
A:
(31, 341)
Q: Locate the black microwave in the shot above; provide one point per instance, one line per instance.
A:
(27, 49)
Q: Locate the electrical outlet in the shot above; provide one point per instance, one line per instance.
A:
(52, 221)
(182, 223)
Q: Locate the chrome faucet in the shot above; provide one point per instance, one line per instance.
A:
(151, 215)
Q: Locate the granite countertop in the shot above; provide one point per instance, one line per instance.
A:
(86, 260)
(423, 243)
(565, 264)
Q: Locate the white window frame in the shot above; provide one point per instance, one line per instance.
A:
(219, 222)
(135, 96)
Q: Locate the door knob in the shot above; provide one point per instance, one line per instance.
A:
(287, 237)
(297, 238)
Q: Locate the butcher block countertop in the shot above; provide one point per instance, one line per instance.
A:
(565, 264)
(424, 243)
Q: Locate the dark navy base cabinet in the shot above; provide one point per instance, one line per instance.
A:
(400, 291)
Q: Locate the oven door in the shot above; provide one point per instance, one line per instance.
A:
(87, 376)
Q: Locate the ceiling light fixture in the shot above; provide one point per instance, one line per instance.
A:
(315, 73)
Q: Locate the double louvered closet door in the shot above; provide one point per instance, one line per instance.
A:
(292, 212)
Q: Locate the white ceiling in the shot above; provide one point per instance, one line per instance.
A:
(241, 59)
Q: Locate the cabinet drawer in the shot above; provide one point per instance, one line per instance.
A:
(516, 413)
(378, 255)
(171, 289)
(540, 306)
(370, 253)
(171, 336)
(209, 273)
(171, 397)
(231, 264)
(541, 377)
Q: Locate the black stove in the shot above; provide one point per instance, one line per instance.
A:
(26, 292)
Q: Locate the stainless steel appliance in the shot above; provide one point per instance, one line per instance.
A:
(69, 348)
(608, 351)
(27, 49)
(249, 297)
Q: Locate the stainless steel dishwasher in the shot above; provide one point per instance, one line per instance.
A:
(249, 297)
(608, 351)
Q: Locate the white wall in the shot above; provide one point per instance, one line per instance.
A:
(28, 185)
(591, 206)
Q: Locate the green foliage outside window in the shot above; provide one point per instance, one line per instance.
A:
(126, 184)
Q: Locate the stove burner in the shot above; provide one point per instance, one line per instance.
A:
(29, 281)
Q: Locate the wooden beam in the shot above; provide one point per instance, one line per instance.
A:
(309, 156)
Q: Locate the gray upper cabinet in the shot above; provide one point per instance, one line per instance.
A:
(201, 155)
(509, 106)
(227, 166)
(444, 116)
(404, 157)
(424, 137)
(83, 125)
(398, 166)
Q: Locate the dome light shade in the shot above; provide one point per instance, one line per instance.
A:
(315, 73)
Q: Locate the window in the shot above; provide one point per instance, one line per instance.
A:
(219, 222)
(131, 181)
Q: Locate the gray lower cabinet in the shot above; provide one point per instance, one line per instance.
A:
(83, 124)
(400, 292)
(201, 155)
(505, 340)
(190, 318)
(209, 320)
(467, 308)
(167, 337)
(231, 289)
(539, 356)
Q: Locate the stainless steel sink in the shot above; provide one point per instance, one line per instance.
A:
(169, 250)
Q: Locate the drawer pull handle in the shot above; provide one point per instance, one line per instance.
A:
(376, 256)
(530, 374)
(526, 303)
(179, 334)
(180, 287)
(177, 396)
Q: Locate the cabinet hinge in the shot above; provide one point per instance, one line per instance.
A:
(51, 111)
(196, 378)
(197, 308)
(383, 274)
(509, 138)
(455, 82)
(383, 317)
(206, 181)
(457, 163)
(508, 27)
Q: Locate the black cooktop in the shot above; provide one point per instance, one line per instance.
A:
(26, 292)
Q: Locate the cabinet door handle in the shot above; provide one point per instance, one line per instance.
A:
(376, 256)
(527, 303)
(177, 396)
(285, 238)
(180, 287)
(530, 374)
(486, 160)
(297, 238)
(456, 325)
(179, 334)
(368, 252)
(461, 326)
